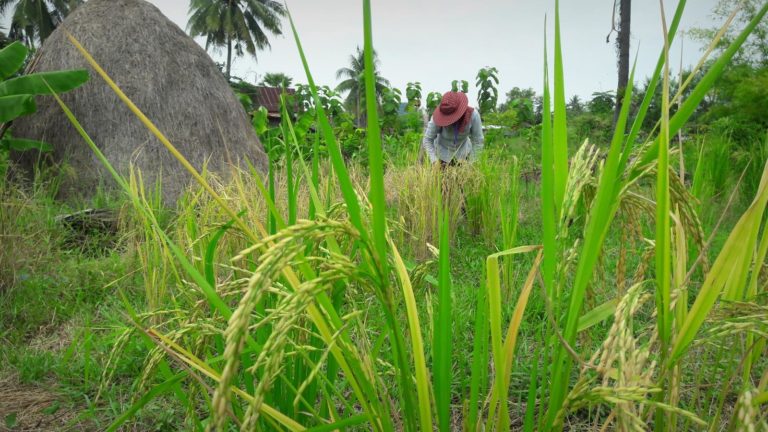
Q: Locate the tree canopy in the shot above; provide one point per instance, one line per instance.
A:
(239, 25)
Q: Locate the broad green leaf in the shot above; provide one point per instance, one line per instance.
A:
(20, 144)
(12, 107)
(35, 84)
(12, 59)
(10, 420)
(260, 120)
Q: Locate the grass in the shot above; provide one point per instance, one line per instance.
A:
(320, 306)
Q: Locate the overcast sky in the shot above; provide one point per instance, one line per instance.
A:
(437, 41)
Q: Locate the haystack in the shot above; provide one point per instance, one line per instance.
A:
(166, 74)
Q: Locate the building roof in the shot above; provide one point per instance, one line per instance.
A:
(269, 98)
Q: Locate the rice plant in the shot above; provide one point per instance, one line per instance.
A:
(312, 321)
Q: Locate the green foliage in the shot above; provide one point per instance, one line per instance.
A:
(239, 25)
(390, 107)
(413, 94)
(754, 51)
(303, 97)
(487, 94)
(463, 83)
(353, 83)
(738, 106)
(35, 20)
(575, 106)
(245, 101)
(331, 103)
(412, 121)
(17, 95)
(597, 128)
(523, 103)
(276, 79)
(433, 100)
(260, 120)
(499, 124)
(602, 102)
(324, 325)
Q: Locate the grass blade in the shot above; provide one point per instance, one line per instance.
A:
(443, 331)
(735, 252)
(560, 137)
(375, 157)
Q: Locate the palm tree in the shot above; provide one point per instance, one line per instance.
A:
(35, 19)
(3, 39)
(354, 82)
(238, 24)
(622, 48)
(276, 79)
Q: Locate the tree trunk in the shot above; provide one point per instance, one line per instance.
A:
(622, 46)
(229, 58)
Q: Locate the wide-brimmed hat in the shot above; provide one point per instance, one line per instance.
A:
(452, 107)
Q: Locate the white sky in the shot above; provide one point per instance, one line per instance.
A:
(437, 41)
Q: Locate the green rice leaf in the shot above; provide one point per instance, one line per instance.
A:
(597, 315)
(337, 160)
(155, 392)
(560, 137)
(443, 331)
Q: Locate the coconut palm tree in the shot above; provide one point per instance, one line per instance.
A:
(276, 79)
(3, 39)
(354, 83)
(34, 20)
(236, 24)
(622, 48)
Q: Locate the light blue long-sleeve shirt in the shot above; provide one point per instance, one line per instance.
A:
(447, 143)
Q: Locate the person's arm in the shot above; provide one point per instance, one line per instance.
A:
(428, 142)
(478, 140)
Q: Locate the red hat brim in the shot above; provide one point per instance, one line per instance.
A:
(443, 120)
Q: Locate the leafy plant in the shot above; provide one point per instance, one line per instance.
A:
(522, 102)
(433, 100)
(390, 107)
(276, 79)
(463, 83)
(353, 84)
(487, 94)
(316, 323)
(37, 19)
(240, 26)
(17, 94)
(602, 102)
(413, 94)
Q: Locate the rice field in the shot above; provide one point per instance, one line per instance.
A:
(570, 286)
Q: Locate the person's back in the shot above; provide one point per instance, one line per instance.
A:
(455, 131)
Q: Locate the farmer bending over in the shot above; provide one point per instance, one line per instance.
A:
(454, 133)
